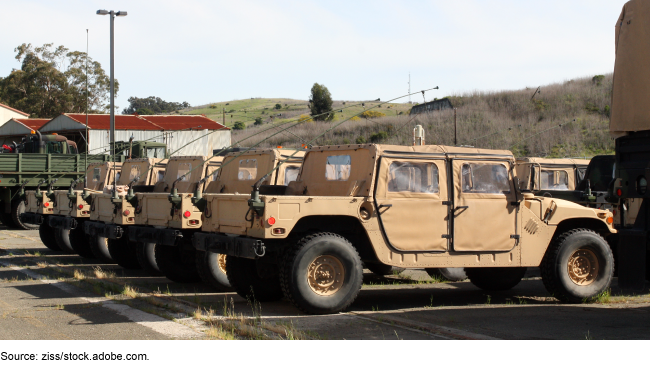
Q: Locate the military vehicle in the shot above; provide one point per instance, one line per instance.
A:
(56, 212)
(555, 175)
(412, 207)
(630, 123)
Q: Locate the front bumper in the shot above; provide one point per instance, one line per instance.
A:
(32, 218)
(66, 223)
(110, 231)
(159, 236)
(245, 247)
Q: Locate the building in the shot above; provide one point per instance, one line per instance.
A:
(432, 106)
(16, 128)
(7, 113)
(185, 135)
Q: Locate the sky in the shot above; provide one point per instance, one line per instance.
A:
(204, 51)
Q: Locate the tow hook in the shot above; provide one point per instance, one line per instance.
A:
(259, 247)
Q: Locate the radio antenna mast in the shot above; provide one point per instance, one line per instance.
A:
(409, 87)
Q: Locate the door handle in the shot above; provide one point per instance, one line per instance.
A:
(462, 207)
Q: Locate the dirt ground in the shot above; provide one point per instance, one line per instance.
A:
(52, 295)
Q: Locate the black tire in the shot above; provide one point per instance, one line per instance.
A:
(62, 238)
(253, 279)
(99, 247)
(212, 271)
(80, 243)
(146, 253)
(380, 269)
(7, 221)
(330, 252)
(495, 278)
(18, 208)
(124, 253)
(47, 237)
(448, 273)
(587, 249)
(178, 263)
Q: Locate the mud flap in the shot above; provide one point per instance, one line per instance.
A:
(632, 248)
(166, 237)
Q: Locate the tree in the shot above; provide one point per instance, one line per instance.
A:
(239, 126)
(155, 104)
(278, 106)
(52, 81)
(145, 111)
(320, 102)
(258, 121)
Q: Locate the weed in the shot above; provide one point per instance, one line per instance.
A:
(196, 299)
(256, 308)
(41, 264)
(101, 274)
(522, 300)
(604, 297)
(79, 275)
(168, 292)
(198, 314)
(59, 307)
(375, 309)
(130, 291)
(489, 300)
(588, 336)
(396, 335)
(220, 333)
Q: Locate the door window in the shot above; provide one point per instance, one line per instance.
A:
(413, 178)
(247, 169)
(291, 174)
(554, 180)
(338, 168)
(480, 178)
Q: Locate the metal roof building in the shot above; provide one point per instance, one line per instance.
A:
(7, 112)
(16, 128)
(195, 134)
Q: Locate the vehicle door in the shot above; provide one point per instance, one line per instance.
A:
(484, 208)
(411, 198)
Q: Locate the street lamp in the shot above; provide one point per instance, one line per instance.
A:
(113, 14)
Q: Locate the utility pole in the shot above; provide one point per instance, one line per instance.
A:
(409, 88)
(455, 129)
(224, 116)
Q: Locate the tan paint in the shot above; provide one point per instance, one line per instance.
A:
(528, 171)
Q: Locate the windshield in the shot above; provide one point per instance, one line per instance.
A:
(156, 152)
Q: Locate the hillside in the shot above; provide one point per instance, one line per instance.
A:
(510, 120)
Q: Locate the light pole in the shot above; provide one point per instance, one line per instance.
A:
(113, 14)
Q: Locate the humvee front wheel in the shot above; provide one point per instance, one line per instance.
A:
(46, 233)
(578, 266)
(495, 278)
(254, 279)
(80, 243)
(146, 254)
(322, 274)
(212, 269)
(123, 253)
(99, 247)
(62, 238)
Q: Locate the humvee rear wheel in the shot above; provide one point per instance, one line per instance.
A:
(99, 247)
(123, 253)
(380, 269)
(80, 243)
(177, 263)
(448, 273)
(212, 269)
(18, 208)
(62, 238)
(322, 274)
(146, 254)
(577, 266)
(254, 279)
(495, 278)
(47, 237)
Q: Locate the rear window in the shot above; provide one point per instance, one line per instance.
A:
(291, 174)
(338, 168)
(135, 172)
(413, 177)
(161, 175)
(554, 180)
(480, 178)
(97, 174)
(247, 169)
(183, 169)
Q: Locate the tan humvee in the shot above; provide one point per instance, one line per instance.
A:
(174, 254)
(412, 207)
(550, 173)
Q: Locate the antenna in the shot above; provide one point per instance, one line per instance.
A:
(87, 98)
(409, 87)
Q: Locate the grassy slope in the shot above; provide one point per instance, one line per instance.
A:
(499, 120)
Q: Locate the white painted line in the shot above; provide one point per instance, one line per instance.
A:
(151, 321)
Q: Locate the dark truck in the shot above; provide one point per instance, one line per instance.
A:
(630, 122)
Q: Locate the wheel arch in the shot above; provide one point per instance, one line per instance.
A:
(347, 226)
(594, 224)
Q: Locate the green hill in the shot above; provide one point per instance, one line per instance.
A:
(539, 125)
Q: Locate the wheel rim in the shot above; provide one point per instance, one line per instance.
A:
(583, 267)
(325, 275)
(221, 262)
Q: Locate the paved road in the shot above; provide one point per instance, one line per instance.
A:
(387, 308)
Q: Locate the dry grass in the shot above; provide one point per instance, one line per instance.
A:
(79, 275)
(101, 274)
(499, 120)
(130, 291)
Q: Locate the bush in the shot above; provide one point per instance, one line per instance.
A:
(378, 137)
(258, 121)
(239, 126)
(320, 102)
(592, 108)
(278, 106)
(355, 118)
(305, 118)
(213, 106)
(607, 110)
(346, 141)
(360, 140)
(372, 114)
(598, 79)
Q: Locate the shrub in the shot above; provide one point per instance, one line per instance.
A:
(372, 114)
(278, 106)
(305, 118)
(607, 110)
(258, 121)
(213, 106)
(320, 102)
(360, 140)
(346, 141)
(592, 108)
(378, 137)
(355, 118)
(598, 79)
(239, 126)
(540, 105)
